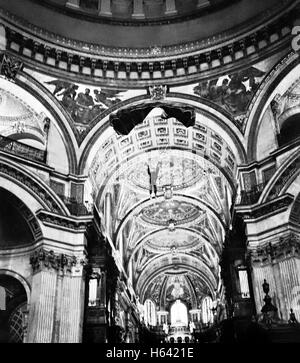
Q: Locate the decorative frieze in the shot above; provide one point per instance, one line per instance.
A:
(58, 262)
(70, 223)
(284, 247)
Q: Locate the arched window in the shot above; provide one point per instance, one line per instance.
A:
(150, 312)
(179, 314)
(207, 314)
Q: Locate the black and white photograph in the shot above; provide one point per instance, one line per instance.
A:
(150, 174)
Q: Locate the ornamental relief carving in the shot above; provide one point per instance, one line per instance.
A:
(287, 246)
(49, 260)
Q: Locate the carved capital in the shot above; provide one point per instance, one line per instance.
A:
(285, 247)
(49, 260)
(158, 92)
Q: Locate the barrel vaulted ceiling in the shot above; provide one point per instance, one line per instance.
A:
(170, 245)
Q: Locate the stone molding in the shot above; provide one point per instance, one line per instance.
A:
(35, 187)
(282, 248)
(271, 207)
(129, 66)
(78, 224)
(52, 261)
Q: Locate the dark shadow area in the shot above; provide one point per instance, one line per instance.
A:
(14, 229)
(290, 130)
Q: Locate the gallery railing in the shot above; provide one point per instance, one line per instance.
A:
(17, 148)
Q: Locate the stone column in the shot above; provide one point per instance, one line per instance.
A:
(279, 289)
(72, 306)
(105, 8)
(41, 314)
(57, 298)
(138, 9)
(73, 4)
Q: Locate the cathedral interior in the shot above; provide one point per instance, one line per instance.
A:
(149, 171)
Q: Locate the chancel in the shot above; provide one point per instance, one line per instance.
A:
(149, 172)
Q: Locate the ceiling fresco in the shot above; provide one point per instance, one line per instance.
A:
(162, 213)
(163, 135)
(180, 229)
(83, 102)
(233, 91)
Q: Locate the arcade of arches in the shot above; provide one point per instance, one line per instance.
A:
(150, 186)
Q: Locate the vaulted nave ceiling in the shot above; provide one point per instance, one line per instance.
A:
(179, 234)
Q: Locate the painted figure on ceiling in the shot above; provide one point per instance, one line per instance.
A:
(235, 90)
(83, 106)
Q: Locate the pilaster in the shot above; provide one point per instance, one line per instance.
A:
(57, 299)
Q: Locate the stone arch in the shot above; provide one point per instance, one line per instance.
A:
(207, 276)
(282, 178)
(17, 214)
(33, 191)
(62, 119)
(21, 279)
(140, 205)
(286, 67)
(143, 239)
(219, 119)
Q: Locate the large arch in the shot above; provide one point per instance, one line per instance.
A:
(143, 282)
(283, 177)
(21, 279)
(219, 120)
(52, 108)
(283, 74)
(147, 202)
(35, 193)
(141, 241)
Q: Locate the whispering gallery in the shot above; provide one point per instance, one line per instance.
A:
(149, 171)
